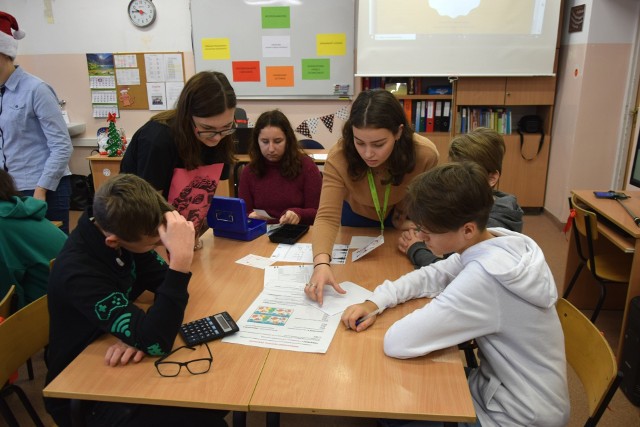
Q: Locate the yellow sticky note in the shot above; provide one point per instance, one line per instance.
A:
(331, 44)
(216, 48)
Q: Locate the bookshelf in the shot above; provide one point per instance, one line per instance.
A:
(524, 170)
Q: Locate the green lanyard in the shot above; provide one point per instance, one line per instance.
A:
(374, 195)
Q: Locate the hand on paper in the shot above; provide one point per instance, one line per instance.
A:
(359, 311)
(322, 276)
(406, 239)
(289, 217)
(121, 353)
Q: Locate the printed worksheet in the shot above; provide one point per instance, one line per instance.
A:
(302, 252)
(284, 321)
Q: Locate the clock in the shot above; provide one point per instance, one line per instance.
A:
(142, 12)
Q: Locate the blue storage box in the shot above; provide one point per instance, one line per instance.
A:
(228, 218)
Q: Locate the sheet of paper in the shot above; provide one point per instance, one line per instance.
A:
(319, 156)
(263, 213)
(284, 321)
(281, 277)
(358, 242)
(302, 252)
(356, 255)
(255, 261)
(334, 303)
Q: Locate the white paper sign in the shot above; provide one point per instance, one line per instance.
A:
(357, 254)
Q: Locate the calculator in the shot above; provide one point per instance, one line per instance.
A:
(208, 329)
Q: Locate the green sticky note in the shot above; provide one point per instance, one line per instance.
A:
(316, 69)
(276, 17)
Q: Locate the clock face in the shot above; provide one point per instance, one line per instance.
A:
(142, 12)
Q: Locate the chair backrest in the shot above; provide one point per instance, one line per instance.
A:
(310, 144)
(240, 118)
(22, 335)
(7, 303)
(590, 356)
(585, 221)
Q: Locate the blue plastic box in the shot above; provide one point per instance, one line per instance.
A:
(228, 218)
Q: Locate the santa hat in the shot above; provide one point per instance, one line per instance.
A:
(9, 35)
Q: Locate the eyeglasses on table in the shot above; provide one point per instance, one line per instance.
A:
(169, 368)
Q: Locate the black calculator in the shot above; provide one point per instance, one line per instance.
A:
(208, 329)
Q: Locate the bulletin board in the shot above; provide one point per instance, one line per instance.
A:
(279, 49)
(148, 81)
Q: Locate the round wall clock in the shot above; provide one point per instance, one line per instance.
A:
(142, 12)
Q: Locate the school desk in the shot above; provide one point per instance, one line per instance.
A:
(617, 226)
(354, 378)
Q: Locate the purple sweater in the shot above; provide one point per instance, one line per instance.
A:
(276, 194)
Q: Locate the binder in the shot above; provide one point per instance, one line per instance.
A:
(464, 126)
(417, 116)
(423, 116)
(430, 118)
(408, 112)
(446, 116)
(437, 125)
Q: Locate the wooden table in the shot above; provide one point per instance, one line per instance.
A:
(354, 378)
(618, 227)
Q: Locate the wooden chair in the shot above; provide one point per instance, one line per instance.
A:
(22, 335)
(607, 264)
(8, 303)
(590, 356)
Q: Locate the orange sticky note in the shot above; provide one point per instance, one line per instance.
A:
(246, 71)
(279, 76)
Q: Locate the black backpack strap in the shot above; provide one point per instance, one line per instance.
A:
(522, 145)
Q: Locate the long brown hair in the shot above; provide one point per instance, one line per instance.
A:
(206, 94)
(291, 165)
(379, 109)
(7, 186)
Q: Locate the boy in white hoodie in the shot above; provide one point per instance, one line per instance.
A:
(496, 288)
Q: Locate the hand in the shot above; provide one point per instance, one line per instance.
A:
(289, 217)
(407, 239)
(254, 215)
(40, 193)
(178, 236)
(322, 275)
(358, 311)
(121, 353)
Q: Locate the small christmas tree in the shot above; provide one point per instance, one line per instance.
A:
(114, 142)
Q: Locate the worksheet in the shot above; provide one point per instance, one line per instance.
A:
(284, 321)
(302, 252)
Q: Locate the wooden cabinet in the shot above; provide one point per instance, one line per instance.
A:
(102, 168)
(505, 91)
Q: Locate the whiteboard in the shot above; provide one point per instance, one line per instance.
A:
(277, 49)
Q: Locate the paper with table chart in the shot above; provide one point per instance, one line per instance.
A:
(302, 252)
(282, 317)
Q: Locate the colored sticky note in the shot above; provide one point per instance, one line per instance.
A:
(246, 71)
(331, 44)
(276, 17)
(279, 76)
(217, 48)
(316, 69)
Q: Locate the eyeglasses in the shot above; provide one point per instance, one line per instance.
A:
(210, 134)
(195, 367)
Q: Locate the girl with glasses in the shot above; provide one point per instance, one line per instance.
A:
(189, 144)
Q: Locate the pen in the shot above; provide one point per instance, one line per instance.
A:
(367, 317)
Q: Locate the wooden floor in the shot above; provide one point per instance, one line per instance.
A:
(547, 232)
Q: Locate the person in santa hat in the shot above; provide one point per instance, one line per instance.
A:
(35, 146)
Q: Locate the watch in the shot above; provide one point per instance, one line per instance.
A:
(142, 12)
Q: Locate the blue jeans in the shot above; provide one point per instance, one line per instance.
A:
(58, 202)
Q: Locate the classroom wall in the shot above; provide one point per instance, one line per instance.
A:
(61, 32)
(593, 71)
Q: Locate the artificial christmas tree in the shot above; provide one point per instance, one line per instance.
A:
(115, 146)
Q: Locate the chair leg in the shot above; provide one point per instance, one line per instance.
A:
(603, 295)
(7, 414)
(30, 369)
(573, 280)
(12, 388)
